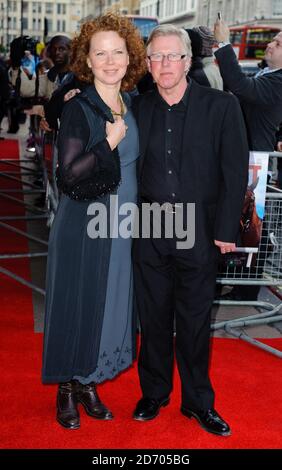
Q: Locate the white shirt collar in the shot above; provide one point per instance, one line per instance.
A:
(265, 71)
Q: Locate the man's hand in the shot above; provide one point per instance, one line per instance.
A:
(221, 31)
(225, 247)
(70, 94)
(44, 125)
(37, 109)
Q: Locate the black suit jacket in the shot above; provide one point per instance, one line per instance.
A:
(214, 161)
(261, 99)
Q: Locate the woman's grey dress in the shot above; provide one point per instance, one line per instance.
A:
(79, 268)
(115, 353)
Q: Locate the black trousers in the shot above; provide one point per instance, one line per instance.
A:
(170, 285)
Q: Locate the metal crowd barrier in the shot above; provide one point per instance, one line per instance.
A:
(22, 171)
(49, 159)
(253, 266)
(260, 266)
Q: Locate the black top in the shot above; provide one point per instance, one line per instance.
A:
(160, 178)
(87, 166)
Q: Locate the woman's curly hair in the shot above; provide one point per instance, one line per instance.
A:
(126, 30)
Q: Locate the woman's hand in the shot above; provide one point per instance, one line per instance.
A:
(115, 132)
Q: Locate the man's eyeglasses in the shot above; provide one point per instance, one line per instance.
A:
(172, 57)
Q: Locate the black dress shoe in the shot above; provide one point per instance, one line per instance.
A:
(67, 412)
(87, 395)
(209, 420)
(149, 408)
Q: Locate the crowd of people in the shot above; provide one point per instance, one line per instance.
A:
(149, 124)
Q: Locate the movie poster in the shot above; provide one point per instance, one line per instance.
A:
(252, 216)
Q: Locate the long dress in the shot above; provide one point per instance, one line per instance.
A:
(76, 277)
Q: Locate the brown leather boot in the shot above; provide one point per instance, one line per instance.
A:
(88, 397)
(67, 412)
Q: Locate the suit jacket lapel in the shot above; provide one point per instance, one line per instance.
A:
(145, 116)
(188, 165)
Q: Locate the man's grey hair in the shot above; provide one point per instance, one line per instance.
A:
(168, 30)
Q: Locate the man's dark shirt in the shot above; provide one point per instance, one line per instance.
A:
(160, 180)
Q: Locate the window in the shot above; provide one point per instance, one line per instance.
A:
(161, 9)
(236, 37)
(49, 7)
(169, 7)
(12, 5)
(36, 7)
(50, 25)
(61, 8)
(277, 7)
(25, 23)
(181, 6)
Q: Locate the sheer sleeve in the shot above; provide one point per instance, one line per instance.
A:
(83, 174)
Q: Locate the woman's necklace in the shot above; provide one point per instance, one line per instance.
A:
(122, 108)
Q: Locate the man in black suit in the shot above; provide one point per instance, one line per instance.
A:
(193, 149)
(261, 102)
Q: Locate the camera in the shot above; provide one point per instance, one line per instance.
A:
(18, 47)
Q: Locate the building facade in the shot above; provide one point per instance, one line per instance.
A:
(59, 16)
(31, 18)
(179, 12)
(65, 16)
(240, 11)
(93, 8)
(188, 13)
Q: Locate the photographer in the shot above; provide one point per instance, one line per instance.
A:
(59, 75)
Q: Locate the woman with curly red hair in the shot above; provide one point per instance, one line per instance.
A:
(89, 331)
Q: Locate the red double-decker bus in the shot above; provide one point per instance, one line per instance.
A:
(249, 41)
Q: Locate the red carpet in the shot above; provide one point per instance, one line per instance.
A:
(247, 382)
(9, 149)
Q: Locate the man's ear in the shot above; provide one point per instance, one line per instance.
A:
(148, 62)
(187, 64)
